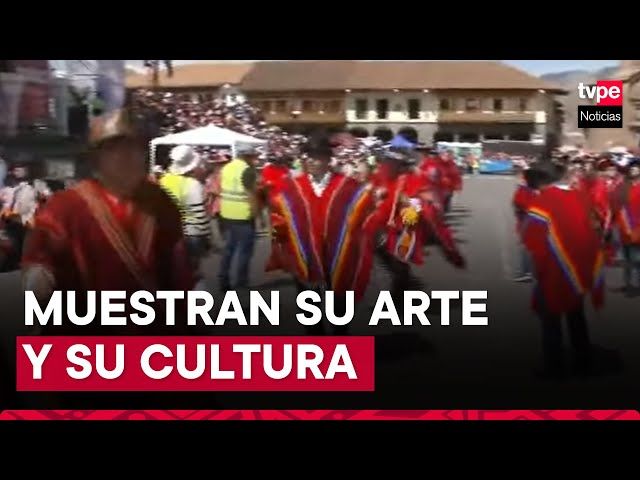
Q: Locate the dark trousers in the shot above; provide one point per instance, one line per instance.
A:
(239, 238)
(553, 344)
(340, 307)
(400, 272)
(447, 202)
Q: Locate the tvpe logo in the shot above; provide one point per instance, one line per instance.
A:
(606, 108)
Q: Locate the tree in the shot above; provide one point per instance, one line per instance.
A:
(154, 65)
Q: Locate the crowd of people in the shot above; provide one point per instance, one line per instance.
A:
(574, 213)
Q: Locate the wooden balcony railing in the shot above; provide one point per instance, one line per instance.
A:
(481, 117)
(305, 117)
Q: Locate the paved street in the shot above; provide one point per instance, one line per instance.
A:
(447, 367)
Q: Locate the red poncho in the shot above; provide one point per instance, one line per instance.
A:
(566, 250)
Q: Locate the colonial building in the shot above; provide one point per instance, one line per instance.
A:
(300, 96)
(199, 81)
(451, 101)
(429, 100)
(629, 134)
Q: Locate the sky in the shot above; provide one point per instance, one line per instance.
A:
(536, 67)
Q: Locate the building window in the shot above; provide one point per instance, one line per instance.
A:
(307, 106)
(362, 108)
(413, 108)
(266, 106)
(472, 105)
(281, 106)
(445, 105)
(497, 105)
(333, 106)
(522, 104)
(382, 108)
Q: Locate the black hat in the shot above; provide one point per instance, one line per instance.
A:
(319, 146)
(546, 172)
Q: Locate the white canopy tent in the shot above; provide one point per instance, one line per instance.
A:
(210, 135)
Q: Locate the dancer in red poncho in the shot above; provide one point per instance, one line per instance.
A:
(523, 197)
(628, 223)
(408, 214)
(273, 178)
(605, 196)
(433, 173)
(322, 231)
(568, 257)
(452, 179)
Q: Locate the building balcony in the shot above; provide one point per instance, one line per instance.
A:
(305, 117)
(486, 117)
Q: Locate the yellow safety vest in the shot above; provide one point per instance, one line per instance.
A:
(234, 199)
(175, 186)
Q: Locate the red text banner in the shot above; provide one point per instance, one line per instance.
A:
(195, 364)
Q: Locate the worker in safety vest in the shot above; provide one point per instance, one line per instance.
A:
(238, 214)
(187, 191)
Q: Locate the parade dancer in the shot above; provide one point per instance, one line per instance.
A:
(628, 223)
(451, 177)
(525, 193)
(116, 231)
(273, 179)
(408, 214)
(605, 196)
(322, 230)
(567, 253)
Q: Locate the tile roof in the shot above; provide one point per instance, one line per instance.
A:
(194, 75)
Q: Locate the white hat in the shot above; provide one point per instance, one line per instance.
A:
(183, 160)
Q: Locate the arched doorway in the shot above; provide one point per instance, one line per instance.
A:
(469, 137)
(442, 137)
(409, 134)
(359, 132)
(384, 134)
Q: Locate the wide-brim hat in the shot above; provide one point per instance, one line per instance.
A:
(183, 160)
(113, 125)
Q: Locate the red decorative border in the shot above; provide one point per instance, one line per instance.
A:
(320, 415)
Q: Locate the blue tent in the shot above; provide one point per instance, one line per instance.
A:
(400, 142)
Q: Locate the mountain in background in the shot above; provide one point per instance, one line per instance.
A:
(569, 81)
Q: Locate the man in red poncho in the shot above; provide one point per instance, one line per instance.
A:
(433, 173)
(322, 230)
(452, 179)
(605, 197)
(525, 194)
(628, 222)
(566, 248)
(116, 231)
(273, 178)
(409, 215)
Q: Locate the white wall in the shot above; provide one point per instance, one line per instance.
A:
(538, 104)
